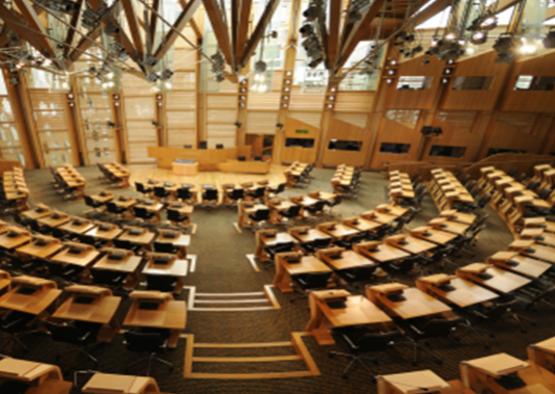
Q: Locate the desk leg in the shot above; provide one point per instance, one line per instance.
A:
(316, 326)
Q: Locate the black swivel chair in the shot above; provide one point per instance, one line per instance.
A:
(433, 328)
(161, 283)
(176, 217)
(235, 194)
(143, 213)
(95, 205)
(109, 278)
(291, 213)
(304, 283)
(185, 194)
(141, 188)
(359, 342)
(165, 247)
(150, 342)
(114, 209)
(16, 325)
(209, 195)
(317, 208)
(161, 192)
(259, 216)
(81, 336)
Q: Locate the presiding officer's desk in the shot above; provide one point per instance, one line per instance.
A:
(208, 159)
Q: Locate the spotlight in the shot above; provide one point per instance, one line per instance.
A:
(489, 23)
(444, 80)
(260, 66)
(479, 37)
(549, 40)
(504, 46)
(450, 36)
(306, 30)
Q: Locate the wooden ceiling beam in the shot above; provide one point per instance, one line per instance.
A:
(353, 35)
(242, 27)
(501, 5)
(430, 11)
(75, 23)
(258, 33)
(33, 34)
(235, 12)
(133, 24)
(40, 39)
(332, 47)
(215, 14)
(89, 39)
(179, 24)
(151, 23)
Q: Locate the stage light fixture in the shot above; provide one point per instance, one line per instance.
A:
(479, 37)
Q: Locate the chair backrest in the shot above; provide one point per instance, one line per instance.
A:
(184, 193)
(160, 191)
(164, 247)
(140, 187)
(141, 212)
(376, 341)
(137, 341)
(260, 215)
(113, 208)
(438, 327)
(161, 283)
(174, 215)
(236, 194)
(292, 211)
(314, 281)
(63, 332)
(89, 201)
(123, 244)
(210, 194)
(317, 206)
(107, 277)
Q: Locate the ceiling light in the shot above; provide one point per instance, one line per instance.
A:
(450, 36)
(470, 50)
(444, 80)
(489, 23)
(389, 81)
(527, 47)
(479, 37)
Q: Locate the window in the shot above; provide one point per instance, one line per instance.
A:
(349, 145)
(407, 117)
(494, 151)
(530, 82)
(414, 82)
(390, 147)
(472, 83)
(299, 142)
(447, 151)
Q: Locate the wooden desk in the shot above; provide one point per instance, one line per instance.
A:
(361, 224)
(13, 237)
(338, 230)
(496, 279)
(415, 382)
(42, 378)
(446, 225)
(481, 373)
(128, 264)
(461, 293)
(309, 235)
(101, 310)
(542, 354)
(81, 255)
(208, 159)
(460, 217)
(173, 267)
(345, 260)
(380, 252)
(170, 315)
(357, 310)
(123, 202)
(285, 270)
(410, 244)
(541, 252)
(271, 238)
(380, 217)
(77, 226)
(144, 238)
(55, 219)
(430, 234)
(415, 302)
(102, 383)
(392, 209)
(37, 212)
(102, 198)
(523, 265)
(246, 167)
(41, 247)
(19, 299)
(178, 240)
(104, 231)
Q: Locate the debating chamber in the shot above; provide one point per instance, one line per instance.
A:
(269, 196)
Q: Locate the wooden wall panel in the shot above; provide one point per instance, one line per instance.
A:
(261, 122)
(290, 154)
(517, 130)
(460, 129)
(528, 100)
(421, 99)
(483, 100)
(345, 131)
(390, 131)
